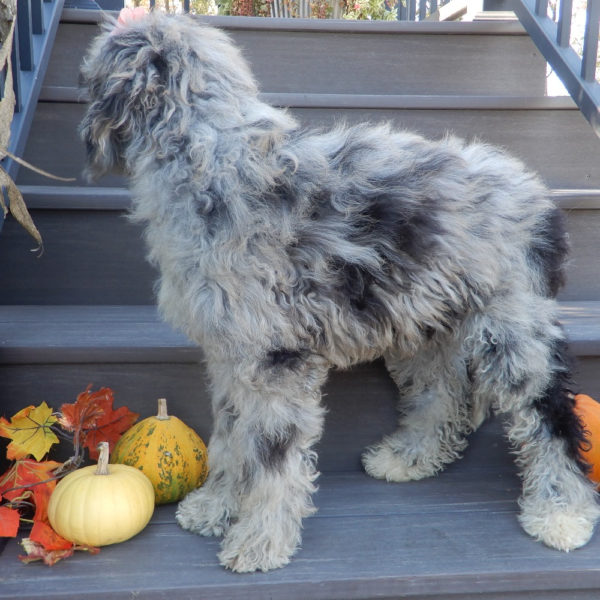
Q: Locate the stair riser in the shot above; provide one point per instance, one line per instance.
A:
(349, 426)
(90, 257)
(97, 257)
(360, 403)
(558, 144)
(358, 62)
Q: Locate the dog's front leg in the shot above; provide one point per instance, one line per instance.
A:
(210, 509)
(268, 417)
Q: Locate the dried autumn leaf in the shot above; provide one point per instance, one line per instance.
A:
(109, 429)
(30, 432)
(35, 551)
(85, 412)
(94, 420)
(9, 521)
(43, 534)
(18, 209)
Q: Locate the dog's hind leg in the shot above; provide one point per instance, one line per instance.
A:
(520, 360)
(435, 415)
(261, 458)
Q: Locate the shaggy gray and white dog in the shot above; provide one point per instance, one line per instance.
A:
(285, 252)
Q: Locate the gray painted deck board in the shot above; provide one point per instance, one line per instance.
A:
(57, 333)
(58, 197)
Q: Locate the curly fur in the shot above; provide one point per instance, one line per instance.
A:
(286, 252)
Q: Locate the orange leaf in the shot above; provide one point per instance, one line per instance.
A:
(109, 429)
(31, 477)
(43, 534)
(30, 432)
(85, 412)
(9, 521)
(93, 418)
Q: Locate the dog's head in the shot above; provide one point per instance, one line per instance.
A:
(153, 80)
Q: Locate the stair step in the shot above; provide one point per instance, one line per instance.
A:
(549, 135)
(379, 57)
(52, 353)
(454, 536)
(94, 255)
(482, 78)
(82, 334)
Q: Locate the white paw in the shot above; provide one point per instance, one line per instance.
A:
(564, 528)
(204, 512)
(397, 464)
(245, 550)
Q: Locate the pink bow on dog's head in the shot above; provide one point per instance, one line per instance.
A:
(128, 15)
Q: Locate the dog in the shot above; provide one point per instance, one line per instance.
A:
(286, 252)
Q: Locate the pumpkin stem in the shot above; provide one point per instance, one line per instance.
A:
(162, 410)
(102, 468)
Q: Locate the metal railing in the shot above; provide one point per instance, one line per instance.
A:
(434, 10)
(37, 22)
(407, 10)
(553, 39)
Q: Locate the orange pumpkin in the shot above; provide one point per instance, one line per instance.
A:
(588, 410)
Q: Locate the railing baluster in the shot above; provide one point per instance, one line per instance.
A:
(37, 17)
(25, 40)
(541, 7)
(402, 10)
(412, 9)
(590, 41)
(565, 15)
(422, 10)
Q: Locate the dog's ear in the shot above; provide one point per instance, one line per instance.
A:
(126, 76)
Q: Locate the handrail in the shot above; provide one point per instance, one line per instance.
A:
(37, 23)
(578, 74)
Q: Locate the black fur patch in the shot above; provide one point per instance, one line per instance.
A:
(389, 224)
(273, 450)
(285, 357)
(353, 284)
(550, 250)
(556, 408)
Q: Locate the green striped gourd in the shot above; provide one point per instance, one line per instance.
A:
(167, 451)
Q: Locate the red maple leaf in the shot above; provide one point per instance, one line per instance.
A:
(85, 412)
(92, 419)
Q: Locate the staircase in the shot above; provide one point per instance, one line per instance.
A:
(83, 313)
